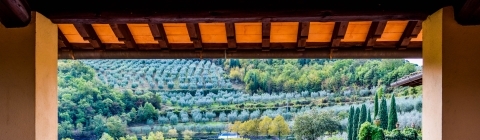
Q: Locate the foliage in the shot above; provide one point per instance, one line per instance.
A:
(370, 132)
(350, 123)
(315, 124)
(278, 127)
(188, 134)
(383, 115)
(356, 123)
(264, 125)
(172, 133)
(155, 136)
(392, 116)
(105, 136)
(115, 126)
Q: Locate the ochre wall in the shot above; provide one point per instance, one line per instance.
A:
(28, 81)
(451, 82)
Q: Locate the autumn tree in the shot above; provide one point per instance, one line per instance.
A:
(264, 125)
(279, 127)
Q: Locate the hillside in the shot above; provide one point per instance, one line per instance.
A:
(142, 96)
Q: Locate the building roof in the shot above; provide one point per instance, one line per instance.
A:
(91, 29)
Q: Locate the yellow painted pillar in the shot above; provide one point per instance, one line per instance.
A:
(451, 78)
(28, 81)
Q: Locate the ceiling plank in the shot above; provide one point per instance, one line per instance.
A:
(411, 31)
(232, 41)
(195, 36)
(303, 30)
(339, 31)
(159, 34)
(266, 26)
(375, 32)
(123, 34)
(88, 33)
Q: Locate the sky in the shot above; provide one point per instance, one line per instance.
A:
(419, 62)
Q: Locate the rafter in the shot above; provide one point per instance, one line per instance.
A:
(159, 35)
(88, 33)
(195, 36)
(123, 34)
(266, 26)
(303, 29)
(375, 32)
(412, 30)
(62, 41)
(232, 41)
(339, 31)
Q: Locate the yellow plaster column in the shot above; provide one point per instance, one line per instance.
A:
(28, 81)
(451, 78)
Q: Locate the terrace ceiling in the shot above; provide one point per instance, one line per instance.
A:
(236, 29)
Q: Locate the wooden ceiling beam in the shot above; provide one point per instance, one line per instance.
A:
(159, 35)
(195, 36)
(412, 30)
(14, 13)
(266, 27)
(339, 31)
(231, 39)
(375, 32)
(63, 41)
(88, 33)
(123, 34)
(258, 53)
(302, 36)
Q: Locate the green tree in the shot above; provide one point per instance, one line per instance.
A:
(350, 123)
(370, 132)
(98, 125)
(356, 123)
(375, 112)
(369, 116)
(315, 124)
(279, 127)
(392, 117)
(65, 129)
(105, 136)
(116, 127)
(363, 114)
(383, 114)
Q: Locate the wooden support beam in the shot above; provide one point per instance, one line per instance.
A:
(232, 41)
(266, 26)
(195, 36)
(339, 31)
(375, 32)
(159, 35)
(302, 36)
(14, 13)
(287, 53)
(62, 41)
(123, 34)
(412, 30)
(88, 33)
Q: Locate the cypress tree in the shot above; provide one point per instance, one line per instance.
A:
(363, 115)
(369, 117)
(392, 116)
(355, 123)
(375, 113)
(383, 114)
(350, 123)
